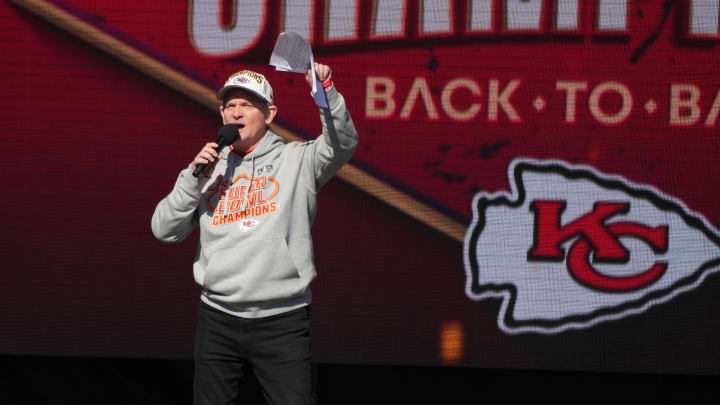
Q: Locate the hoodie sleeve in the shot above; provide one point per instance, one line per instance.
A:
(176, 215)
(327, 154)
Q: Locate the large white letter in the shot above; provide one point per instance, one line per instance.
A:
(210, 38)
(714, 111)
(704, 17)
(297, 17)
(612, 15)
(566, 15)
(385, 96)
(625, 108)
(446, 99)
(523, 14)
(571, 88)
(342, 19)
(435, 17)
(684, 97)
(480, 15)
(502, 98)
(389, 18)
(419, 88)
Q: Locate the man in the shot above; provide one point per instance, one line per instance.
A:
(255, 203)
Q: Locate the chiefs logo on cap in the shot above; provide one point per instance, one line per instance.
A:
(571, 247)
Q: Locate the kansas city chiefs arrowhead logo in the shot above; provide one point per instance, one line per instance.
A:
(572, 247)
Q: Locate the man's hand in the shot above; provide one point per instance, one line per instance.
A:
(323, 73)
(209, 156)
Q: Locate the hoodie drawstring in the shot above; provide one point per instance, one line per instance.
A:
(252, 178)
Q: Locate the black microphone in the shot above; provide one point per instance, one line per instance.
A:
(227, 135)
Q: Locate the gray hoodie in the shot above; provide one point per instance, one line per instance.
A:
(255, 254)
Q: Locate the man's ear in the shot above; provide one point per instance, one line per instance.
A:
(271, 111)
(221, 108)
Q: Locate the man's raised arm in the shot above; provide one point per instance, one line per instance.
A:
(339, 137)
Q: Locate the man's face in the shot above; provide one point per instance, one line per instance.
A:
(250, 114)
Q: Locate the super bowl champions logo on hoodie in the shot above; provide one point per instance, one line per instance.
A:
(241, 198)
(571, 247)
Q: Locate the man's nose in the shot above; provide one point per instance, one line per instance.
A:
(237, 113)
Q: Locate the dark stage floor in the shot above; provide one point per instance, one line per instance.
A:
(65, 380)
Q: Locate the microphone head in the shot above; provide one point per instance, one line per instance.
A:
(227, 135)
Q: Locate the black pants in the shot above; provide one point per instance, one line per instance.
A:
(276, 347)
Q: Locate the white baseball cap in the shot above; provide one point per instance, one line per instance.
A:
(250, 81)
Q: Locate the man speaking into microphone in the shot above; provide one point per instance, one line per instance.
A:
(254, 201)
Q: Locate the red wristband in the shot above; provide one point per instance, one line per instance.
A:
(327, 83)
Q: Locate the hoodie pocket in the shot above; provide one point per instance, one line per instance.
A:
(255, 270)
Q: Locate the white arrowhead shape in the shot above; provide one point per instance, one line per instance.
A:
(541, 296)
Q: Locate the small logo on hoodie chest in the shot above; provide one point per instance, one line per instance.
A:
(267, 169)
(247, 225)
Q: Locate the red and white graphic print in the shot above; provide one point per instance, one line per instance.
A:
(571, 247)
(241, 198)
